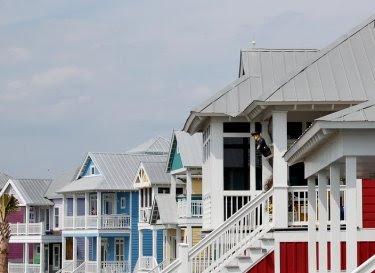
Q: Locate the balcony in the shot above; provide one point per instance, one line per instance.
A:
(92, 267)
(195, 210)
(27, 229)
(21, 268)
(112, 221)
(144, 214)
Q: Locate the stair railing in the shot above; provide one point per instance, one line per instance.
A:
(367, 266)
(243, 227)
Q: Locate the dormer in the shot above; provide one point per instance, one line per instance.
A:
(89, 168)
(141, 179)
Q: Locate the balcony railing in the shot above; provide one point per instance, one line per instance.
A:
(112, 221)
(144, 214)
(21, 268)
(116, 267)
(233, 201)
(27, 229)
(196, 208)
(298, 205)
(146, 263)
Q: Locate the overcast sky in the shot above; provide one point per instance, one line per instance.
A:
(85, 75)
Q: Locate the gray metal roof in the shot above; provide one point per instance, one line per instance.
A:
(60, 182)
(264, 68)
(190, 148)
(33, 190)
(158, 145)
(3, 179)
(117, 172)
(167, 207)
(343, 71)
(361, 112)
(156, 172)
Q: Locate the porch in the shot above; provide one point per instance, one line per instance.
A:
(19, 229)
(113, 221)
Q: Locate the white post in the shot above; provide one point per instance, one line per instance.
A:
(351, 213)
(167, 246)
(322, 209)
(335, 217)
(41, 257)
(154, 245)
(252, 162)
(63, 251)
(74, 252)
(27, 218)
(189, 190)
(178, 240)
(173, 186)
(87, 249)
(140, 249)
(74, 209)
(189, 236)
(26, 253)
(311, 224)
(280, 169)
(183, 249)
(277, 256)
(98, 252)
(99, 208)
(87, 209)
(63, 210)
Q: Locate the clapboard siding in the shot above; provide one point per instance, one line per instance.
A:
(134, 231)
(368, 203)
(159, 242)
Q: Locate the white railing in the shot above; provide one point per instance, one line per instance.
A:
(233, 236)
(70, 267)
(115, 267)
(146, 263)
(233, 201)
(112, 221)
(21, 268)
(144, 214)
(91, 267)
(27, 229)
(171, 268)
(298, 205)
(80, 269)
(196, 208)
(160, 267)
(367, 267)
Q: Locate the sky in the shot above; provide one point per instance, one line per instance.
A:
(104, 76)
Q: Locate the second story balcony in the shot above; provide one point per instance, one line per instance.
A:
(195, 211)
(112, 221)
(19, 229)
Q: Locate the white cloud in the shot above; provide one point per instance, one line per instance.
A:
(13, 55)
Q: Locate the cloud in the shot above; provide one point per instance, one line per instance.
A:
(13, 55)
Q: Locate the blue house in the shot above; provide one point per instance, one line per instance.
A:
(101, 211)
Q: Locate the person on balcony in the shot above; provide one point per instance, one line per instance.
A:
(261, 145)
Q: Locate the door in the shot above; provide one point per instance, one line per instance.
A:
(46, 258)
(109, 203)
(104, 249)
(56, 254)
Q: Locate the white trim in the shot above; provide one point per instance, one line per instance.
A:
(10, 183)
(53, 256)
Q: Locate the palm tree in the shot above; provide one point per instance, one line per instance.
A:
(8, 204)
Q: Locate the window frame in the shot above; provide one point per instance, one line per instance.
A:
(123, 202)
(56, 215)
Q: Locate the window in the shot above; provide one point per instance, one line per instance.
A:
(236, 163)
(179, 191)
(56, 216)
(119, 249)
(236, 127)
(56, 256)
(93, 204)
(294, 130)
(92, 170)
(123, 202)
(163, 190)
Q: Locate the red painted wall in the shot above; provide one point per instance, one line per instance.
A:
(17, 216)
(368, 203)
(294, 256)
(264, 266)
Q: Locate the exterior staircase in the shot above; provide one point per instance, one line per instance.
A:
(237, 245)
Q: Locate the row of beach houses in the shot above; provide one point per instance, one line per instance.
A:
(206, 200)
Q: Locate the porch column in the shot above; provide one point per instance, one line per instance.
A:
(99, 208)
(74, 252)
(280, 169)
(27, 219)
(98, 253)
(26, 253)
(266, 167)
(311, 224)
(252, 162)
(335, 217)
(189, 190)
(63, 210)
(87, 209)
(41, 257)
(140, 254)
(167, 246)
(189, 236)
(178, 239)
(87, 242)
(322, 209)
(63, 251)
(74, 209)
(154, 244)
(351, 213)
(173, 186)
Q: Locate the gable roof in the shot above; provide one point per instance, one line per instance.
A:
(117, 172)
(190, 148)
(156, 172)
(165, 207)
(31, 191)
(61, 181)
(3, 179)
(156, 146)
